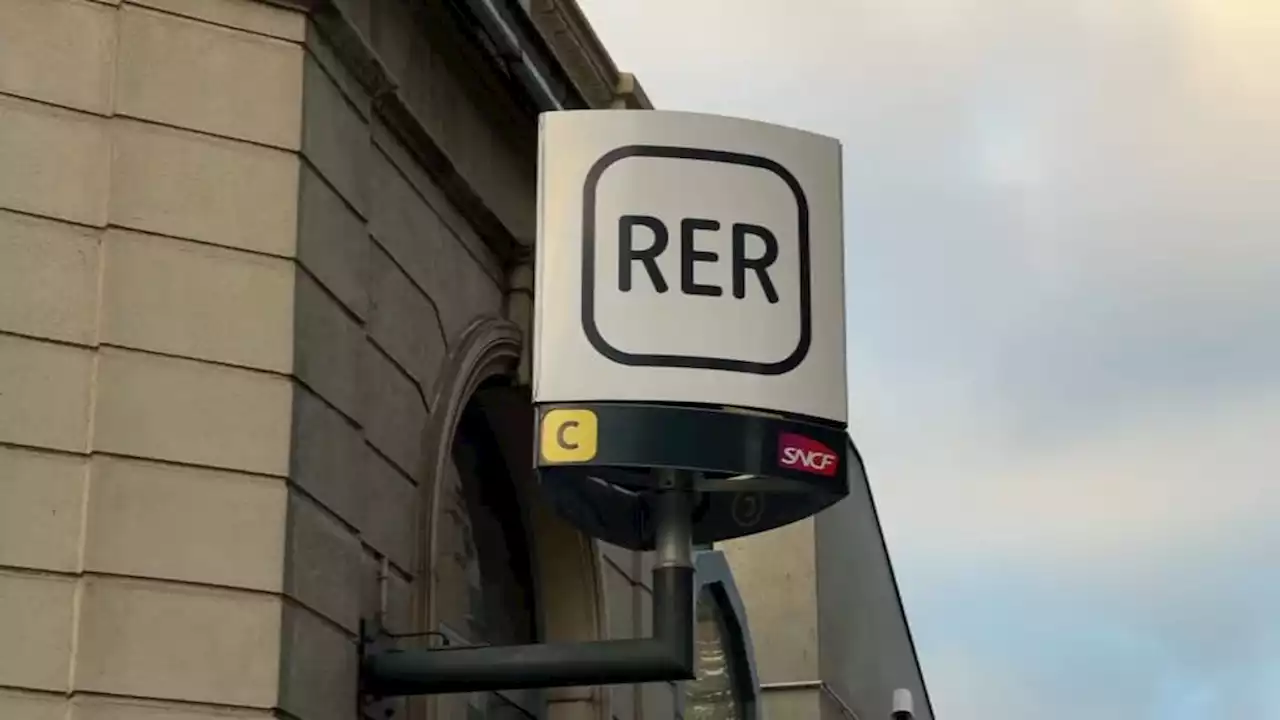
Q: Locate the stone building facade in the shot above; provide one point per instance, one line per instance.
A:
(264, 294)
(265, 289)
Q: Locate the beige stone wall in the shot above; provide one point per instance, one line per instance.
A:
(627, 581)
(148, 205)
(228, 290)
(776, 574)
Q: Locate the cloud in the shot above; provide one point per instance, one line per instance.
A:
(1064, 349)
(1162, 487)
(1155, 645)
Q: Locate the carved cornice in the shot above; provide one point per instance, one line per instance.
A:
(629, 94)
(363, 63)
(584, 58)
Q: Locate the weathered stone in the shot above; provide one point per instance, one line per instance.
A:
(45, 390)
(194, 74)
(56, 162)
(333, 244)
(335, 138)
(319, 667)
(48, 279)
(323, 563)
(328, 347)
(179, 642)
(192, 412)
(328, 459)
(213, 527)
(403, 321)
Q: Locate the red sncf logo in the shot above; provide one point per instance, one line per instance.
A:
(798, 452)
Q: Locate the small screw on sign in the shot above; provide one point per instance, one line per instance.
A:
(748, 508)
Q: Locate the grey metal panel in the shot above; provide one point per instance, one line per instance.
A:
(866, 649)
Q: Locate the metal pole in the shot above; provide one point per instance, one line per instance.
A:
(673, 535)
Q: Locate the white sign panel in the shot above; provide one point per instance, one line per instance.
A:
(691, 259)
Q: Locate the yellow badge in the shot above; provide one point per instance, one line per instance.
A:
(569, 436)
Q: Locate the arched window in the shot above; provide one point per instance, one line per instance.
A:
(726, 687)
(485, 581)
(714, 695)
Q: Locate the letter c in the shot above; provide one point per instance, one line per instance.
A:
(560, 435)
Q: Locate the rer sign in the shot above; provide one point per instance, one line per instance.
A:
(687, 258)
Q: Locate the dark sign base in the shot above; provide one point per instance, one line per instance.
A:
(756, 472)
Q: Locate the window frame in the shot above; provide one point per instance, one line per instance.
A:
(712, 573)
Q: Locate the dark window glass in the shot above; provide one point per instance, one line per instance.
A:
(714, 695)
(488, 576)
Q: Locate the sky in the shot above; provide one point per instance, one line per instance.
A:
(1063, 286)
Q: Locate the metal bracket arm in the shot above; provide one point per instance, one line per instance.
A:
(667, 656)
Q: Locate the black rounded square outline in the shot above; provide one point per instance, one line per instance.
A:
(589, 326)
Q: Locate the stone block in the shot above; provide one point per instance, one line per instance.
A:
(620, 603)
(806, 703)
(574, 710)
(224, 192)
(32, 706)
(403, 320)
(645, 561)
(622, 702)
(56, 162)
(35, 630)
(405, 224)
(414, 235)
(394, 412)
(358, 13)
(58, 51)
(644, 611)
(91, 707)
(197, 301)
(333, 244)
(399, 606)
(328, 347)
(252, 15)
(573, 694)
(499, 167)
(321, 50)
(319, 667)
(623, 560)
(323, 563)
(390, 512)
(658, 701)
(453, 565)
(387, 144)
(393, 34)
(780, 598)
(179, 642)
(192, 412)
(335, 138)
(48, 279)
(41, 503)
(174, 522)
(328, 457)
(46, 389)
(192, 74)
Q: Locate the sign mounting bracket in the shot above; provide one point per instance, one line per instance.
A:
(666, 656)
